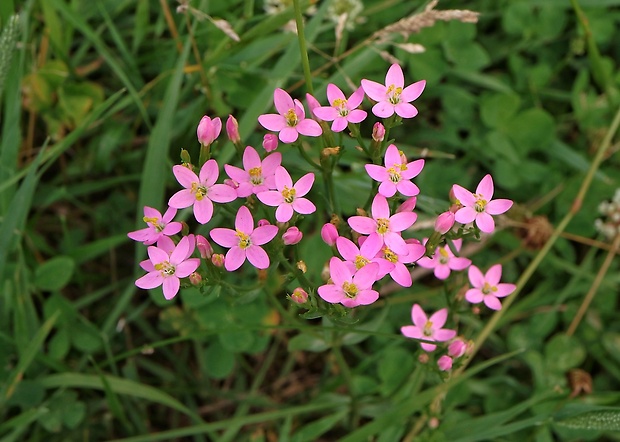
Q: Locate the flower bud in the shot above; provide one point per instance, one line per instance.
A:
(444, 222)
(313, 103)
(445, 363)
(185, 157)
(263, 222)
(270, 142)
(232, 130)
(204, 248)
(301, 265)
(457, 348)
(292, 236)
(208, 130)
(329, 234)
(195, 278)
(300, 296)
(218, 260)
(378, 132)
(408, 205)
(423, 358)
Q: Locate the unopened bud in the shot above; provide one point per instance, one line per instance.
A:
(433, 423)
(445, 363)
(302, 266)
(360, 212)
(329, 151)
(204, 248)
(313, 103)
(378, 132)
(300, 296)
(408, 205)
(263, 222)
(185, 157)
(195, 278)
(208, 130)
(329, 234)
(444, 222)
(270, 142)
(218, 260)
(262, 275)
(457, 348)
(292, 236)
(232, 129)
(423, 358)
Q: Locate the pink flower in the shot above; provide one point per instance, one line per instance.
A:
(487, 287)
(270, 142)
(444, 222)
(350, 288)
(290, 121)
(167, 245)
(256, 175)
(479, 206)
(208, 130)
(329, 234)
(292, 236)
(232, 129)
(444, 261)
(396, 174)
(444, 363)
(288, 197)
(428, 329)
(383, 225)
(158, 226)
(342, 111)
(245, 241)
(367, 253)
(400, 274)
(392, 97)
(169, 268)
(200, 191)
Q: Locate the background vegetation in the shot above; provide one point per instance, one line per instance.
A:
(97, 102)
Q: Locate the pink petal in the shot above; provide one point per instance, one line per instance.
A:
(172, 228)
(304, 184)
(221, 193)
(224, 237)
(376, 172)
(284, 212)
(497, 207)
(365, 277)
(339, 272)
(395, 76)
(236, 174)
(150, 212)
(309, 128)
(371, 246)
(395, 243)
(357, 116)
(157, 255)
(402, 220)
(504, 290)
(474, 296)
(405, 110)
(485, 187)
(299, 109)
(180, 252)
(476, 277)
(444, 335)
(283, 178)
(288, 135)
(407, 188)
(413, 91)
(271, 162)
(362, 224)
(492, 302)
(442, 271)
(465, 215)
(326, 113)
(355, 100)
(380, 207)
(270, 198)
(339, 124)
(374, 90)
(203, 210)
(366, 297)
(251, 159)
(150, 280)
(347, 248)
(439, 318)
(383, 109)
(387, 189)
(257, 256)
(273, 122)
(184, 176)
(264, 234)
(413, 169)
(331, 293)
(401, 275)
(303, 206)
(494, 274)
(282, 101)
(464, 196)
(143, 235)
(334, 93)
(171, 287)
(244, 221)
(392, 156)
(209, 172)
(485, 222)
(457, 243)
(182, 199)
(234, 258)
(186, 268)
(459, 263)
(411, 331)
(427, 347)
(418, 316)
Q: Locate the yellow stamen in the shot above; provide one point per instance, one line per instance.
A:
(393, 93)
(244, 240)
(487, 288)
(383, 225)
(165, 268)
(199, 190)
(350, 289)
(291, 118)
(256, 175)
(394, 175)
(360, 261)
(443, 259)
(428, 329)
(288, 194)
(389, 255)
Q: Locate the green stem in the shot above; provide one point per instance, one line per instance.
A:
(305, 156)
(348, 378)
(295, 271)
(299, 20)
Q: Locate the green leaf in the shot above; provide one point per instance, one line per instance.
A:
(307, 342)
(59, 345)
(395, 366)
(219, 362)
(533, 129)
(314, 430)
(564, 352)
(600, 420)
(54, 274)
(237, 341)
(28, 394)
(497, 109)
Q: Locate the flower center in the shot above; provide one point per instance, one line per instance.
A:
(389, 255)
(487, 288)
(428, 329)
(480, 203)
(244, 240)
(360, 261)
(291, 118)
(256, 175)
(383, 226)
(444, 257)
(394, 175)
(153, 222)
(350, 289)
(393, 94)
(199, 190)
(288, 194)
(165, 268)
(341, 105)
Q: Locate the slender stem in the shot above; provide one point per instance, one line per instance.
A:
(295, 271)
(305, 156)
(348, 378)
(299, 21)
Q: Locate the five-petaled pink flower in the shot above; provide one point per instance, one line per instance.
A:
(444, 261)
(342, 111)
(429, 329)
(256, 175)
(381, 224)
(400, 274)
(288, 197)
(158, 226)
(167, 269)
(348, 287)
(487, 287)
(200, 190)
(479, 206)
(393, 96)
(290, 121)
(368, 252)
(245, 241)
(396, 174)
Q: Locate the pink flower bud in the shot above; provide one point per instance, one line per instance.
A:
(444, 222)
(204, 248)
(408, 205)
(313, 103)
(292, 236)
(208, 130)
(263, 222)
(299, 296)
(445, 363)
(231, 183)
(378, 132)
(218, 260)
(329, 233)
(457, 348)
(232, 129)
(195, 278)
(270, 142)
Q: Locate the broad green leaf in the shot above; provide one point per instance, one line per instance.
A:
(54, 274)
(498, 109)
(307, 342)
(599, 420)
(564, 352)
(219, 362)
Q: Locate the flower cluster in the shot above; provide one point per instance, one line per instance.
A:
(609, 225)
(371, 245)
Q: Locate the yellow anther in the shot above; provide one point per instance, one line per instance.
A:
(256, 175)
(383, 226)
(360, 261)
(244, 240)
(428, 329)
(350, 289)
(394, 175)
(199, 191)
(288, 194)
(487, 288)
(389, 255)
(291, 118)
(480, 205)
